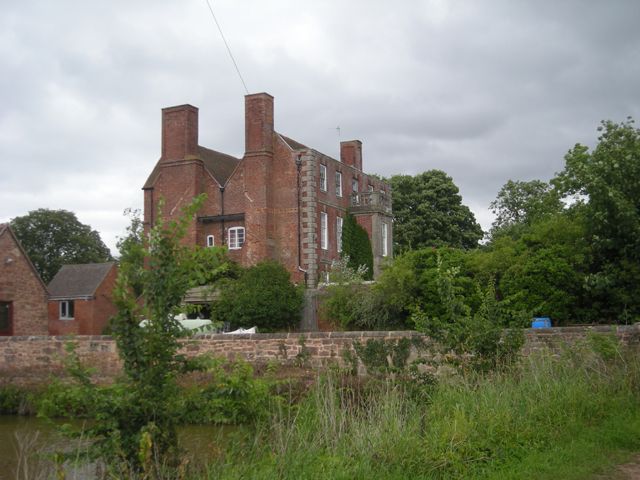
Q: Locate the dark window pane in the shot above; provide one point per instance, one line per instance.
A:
(5, 317)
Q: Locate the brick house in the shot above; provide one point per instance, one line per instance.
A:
(80, 300)
(23, 294)
(282, 201)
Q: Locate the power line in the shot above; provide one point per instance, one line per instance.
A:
(227, 45)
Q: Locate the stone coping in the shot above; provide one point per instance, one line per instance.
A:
(332, 335)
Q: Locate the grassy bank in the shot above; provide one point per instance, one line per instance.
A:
(549, 417)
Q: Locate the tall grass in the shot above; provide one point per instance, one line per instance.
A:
(548, 417)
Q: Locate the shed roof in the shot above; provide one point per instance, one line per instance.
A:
(78, 281)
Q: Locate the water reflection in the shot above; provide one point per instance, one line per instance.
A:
(28, 443)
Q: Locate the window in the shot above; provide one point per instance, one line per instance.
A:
(66, 310)
(338, 184)
(339, 233)
(324, 231)
(354, 185)
(236, 238)
(323, 178)
(5, 318)
(371, 188)
(385, 239)
(210, 241)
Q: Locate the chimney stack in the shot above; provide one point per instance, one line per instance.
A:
(351, 153)
(258, 123)
(179, 132)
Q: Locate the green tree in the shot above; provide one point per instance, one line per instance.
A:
(605, 182)
(53, 238)
(428, 212)
(541, 270)
(520, 203)
(263, 296)
(356, 246)
(131, 250)
(411, 282)
(136, 432)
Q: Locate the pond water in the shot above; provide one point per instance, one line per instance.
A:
(27, 443)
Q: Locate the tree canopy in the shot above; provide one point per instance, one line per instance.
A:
(521, 203)
(428, 212)
(605, 183)
(53, 238)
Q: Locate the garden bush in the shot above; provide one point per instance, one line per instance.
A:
(263, 296)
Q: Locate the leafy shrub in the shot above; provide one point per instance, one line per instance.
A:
(349, 303)
(411, 283)
(263, 296)
(14, 400)
(478, 337)
(232, 396)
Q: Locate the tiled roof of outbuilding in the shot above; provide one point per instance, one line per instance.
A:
(75, 281)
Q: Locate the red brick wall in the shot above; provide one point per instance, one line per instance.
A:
(90, 316)
(20, 284)
(103, 307)
(25, 360)
(264, 187)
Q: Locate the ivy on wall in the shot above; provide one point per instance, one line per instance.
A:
(357, 246)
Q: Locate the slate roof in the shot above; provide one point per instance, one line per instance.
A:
(78, 281)
(293, 144)
(218, 164)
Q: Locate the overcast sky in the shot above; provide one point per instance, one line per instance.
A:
(486, 91)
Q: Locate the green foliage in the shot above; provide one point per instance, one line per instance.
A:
(132, 251)
(231, 395)
(263, 296)
(520, 203)
(542, 269)
(428, 212)
(500, 425)
(411, 283)
(356, 247)
(382, 356)
(352, 305)
(606, 184)
(138, 421)
(14, 400)
(53, 238)
(477, 337)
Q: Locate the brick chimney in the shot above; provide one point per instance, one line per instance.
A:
(258, 123)
(351, 153)
(179, 132)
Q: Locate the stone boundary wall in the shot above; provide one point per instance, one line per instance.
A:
(36, 359)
